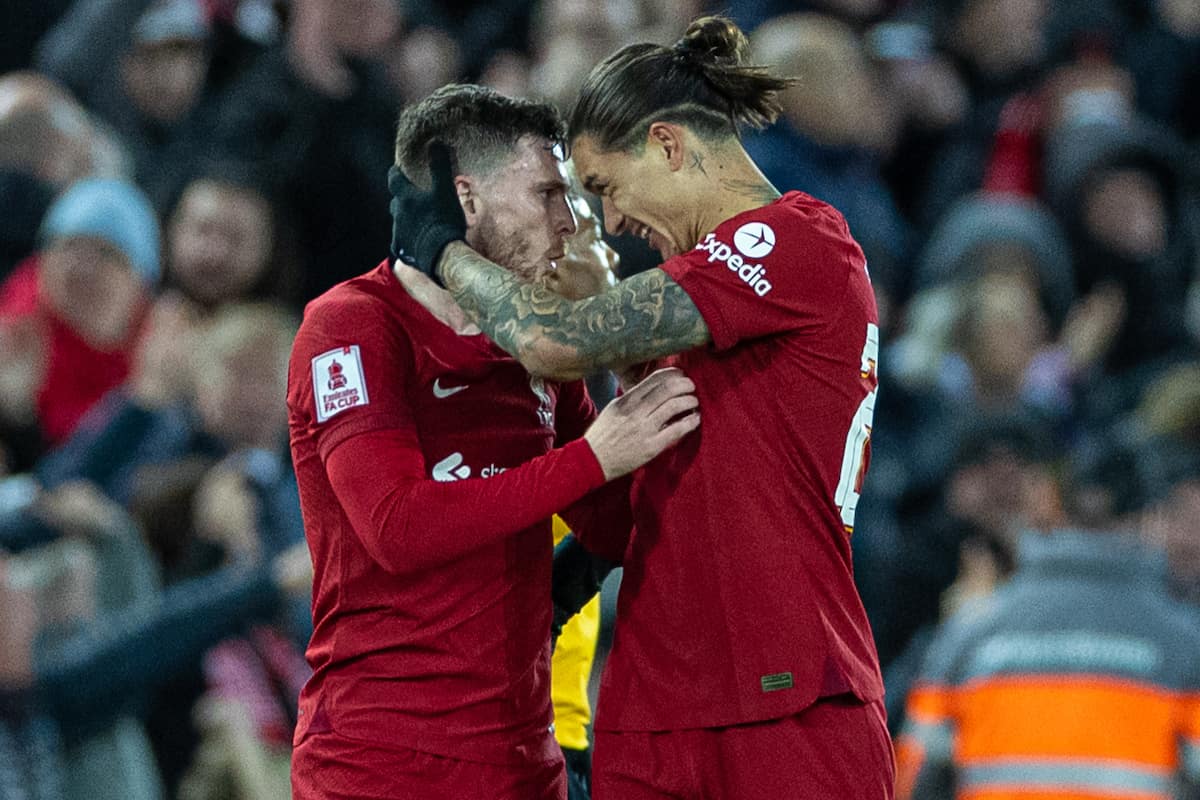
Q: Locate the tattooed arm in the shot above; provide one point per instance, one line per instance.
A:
(642, 318)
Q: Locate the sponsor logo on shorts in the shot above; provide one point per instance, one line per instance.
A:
(752, 274)
(338, 381)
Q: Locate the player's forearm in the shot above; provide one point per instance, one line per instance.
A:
(524, 319)
(411, 524)
(640, 319)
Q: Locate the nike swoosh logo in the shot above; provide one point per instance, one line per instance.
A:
(442, 394)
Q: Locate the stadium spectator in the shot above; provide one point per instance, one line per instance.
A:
(31, 758)
(106, 636)
(315, 113)
(223, 246)
(1079, 678)
(1127, 200)
(47, 142)
(141, 66)
(834, 132)
(221, 242)
(960, 547)
(207, 478)
(1167, 425)
(1006, 360)
(1161, 47)
(1000, 48)
(989, 239)
(211, 447)
(246, 718)
(70, 315)
(1172, 526)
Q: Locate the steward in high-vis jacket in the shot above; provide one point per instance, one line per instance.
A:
(1080, 679)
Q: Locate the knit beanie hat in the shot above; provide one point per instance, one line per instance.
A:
(985, 219)
(112, 210)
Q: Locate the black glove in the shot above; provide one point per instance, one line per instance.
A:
(576, 578)
(425, 221)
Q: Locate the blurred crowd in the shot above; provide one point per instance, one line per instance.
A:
(178, 177)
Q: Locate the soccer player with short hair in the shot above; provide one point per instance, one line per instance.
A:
(429, 464)
(743, 665)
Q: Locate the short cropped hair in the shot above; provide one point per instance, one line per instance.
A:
(479, 125)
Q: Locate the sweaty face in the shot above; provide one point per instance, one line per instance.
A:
(219, 240)
(521, 218)
(635, 192)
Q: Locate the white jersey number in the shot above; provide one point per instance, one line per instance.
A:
(858, 439)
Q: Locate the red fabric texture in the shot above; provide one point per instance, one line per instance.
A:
(426, 502)
(837, 748)
(329, 767)
(738, 601)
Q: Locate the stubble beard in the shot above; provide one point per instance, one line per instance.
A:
(506, 250)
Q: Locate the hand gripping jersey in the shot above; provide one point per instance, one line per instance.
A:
(738, 601)
(427, 481)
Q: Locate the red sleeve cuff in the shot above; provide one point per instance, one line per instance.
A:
(579, 455)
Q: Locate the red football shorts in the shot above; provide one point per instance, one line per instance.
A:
(836, 749)
(326, 766)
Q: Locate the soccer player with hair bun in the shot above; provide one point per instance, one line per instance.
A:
(743, 664)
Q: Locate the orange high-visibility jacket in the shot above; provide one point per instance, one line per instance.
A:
(1079, 680)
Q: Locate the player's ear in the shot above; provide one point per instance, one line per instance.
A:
(467, 198)
(668, 139)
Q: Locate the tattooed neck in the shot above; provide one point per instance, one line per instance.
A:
(698, 163)
(760, 192)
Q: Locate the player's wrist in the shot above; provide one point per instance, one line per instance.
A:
(589, 460)
(449, 248)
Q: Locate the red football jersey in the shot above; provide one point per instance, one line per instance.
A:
(427, 479)
(738, 601)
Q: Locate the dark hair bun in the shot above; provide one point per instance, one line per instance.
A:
(714, 39)
(716, 48)
(705, 80)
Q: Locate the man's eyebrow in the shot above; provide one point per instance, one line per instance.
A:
(553, 183)
(589, 183)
